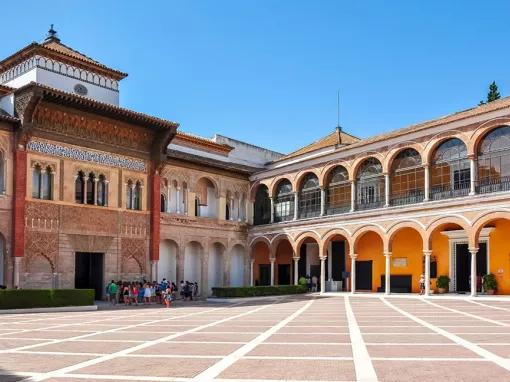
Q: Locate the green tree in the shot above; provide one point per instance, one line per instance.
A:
(493, 94)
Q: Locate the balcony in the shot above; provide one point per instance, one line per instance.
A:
(448, 191)
(487, 186)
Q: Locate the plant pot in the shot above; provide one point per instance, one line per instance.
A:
(441, 290)
(489, 291)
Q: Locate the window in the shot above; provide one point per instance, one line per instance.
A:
(102, 191)
(79, 185)
(309, 200)
(370, 184)
(338, 191)
(262, 206)
(3, 173)
(138, 196)
(450, 170)
(130, 189)
(227, 211)
(134, 195)
(42, 182)
(494, 161)
(162, 202)
(407, 178)
(197, 206)
(284, 202)
(90, 188)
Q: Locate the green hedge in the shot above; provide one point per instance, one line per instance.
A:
(259, 291)
(43, 298)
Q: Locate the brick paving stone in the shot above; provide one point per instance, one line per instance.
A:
(309, 338)
(306, 370)
(406, 338)
(176, 348)
(418, 351)
(445, 371)
(14, 343)
(299, 350)
(84, 347)
(37, 362)
(46, 334)
(501, 350)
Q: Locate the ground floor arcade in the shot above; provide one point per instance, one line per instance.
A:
(392, 259)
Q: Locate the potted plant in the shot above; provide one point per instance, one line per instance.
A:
(442, 284)
(490, 284)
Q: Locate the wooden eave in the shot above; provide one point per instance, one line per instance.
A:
(200, 143)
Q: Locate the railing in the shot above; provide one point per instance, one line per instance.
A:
(410, 197)
(487, 185)
(448, 191)
(369, 204)
(338, 208)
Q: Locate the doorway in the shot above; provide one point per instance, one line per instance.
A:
(264, 274)
(283, 274)
(463, 265)
(88, 272)
(364, 275)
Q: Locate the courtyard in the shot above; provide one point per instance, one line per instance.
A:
(319, 338)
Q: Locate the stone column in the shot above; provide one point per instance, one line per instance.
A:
(330, 261)
(231, 217)
(155, 216)
(473, 252)
(154, 270)
(296, 270)
(472, 176)
(353, 195)
(323, 201)
(387, 273)
(3, 191)
(386, 190)
(323, 274)
(178, 199)
(296, 206)
(272, 270)
(426, 174)
(168, 199)
(252, 263)
(180, 264)
(95, 190)
(85, 189)
(20, 190)
(17, 271)
(427, 255)
(272, 210)
(106, 191)
(353, 273)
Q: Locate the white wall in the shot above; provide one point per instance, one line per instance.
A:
(167, 266)
(312, 256)
(237, 267)
(193, 264)
(215, 271)
(211, 209)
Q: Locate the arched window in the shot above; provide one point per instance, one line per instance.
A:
(162, 203)
(284, 202)
(262, 206)
(90, 188)
(130, 191)
(370, 185)
(450, 170)
(47, 184)
(36, 181)
(407, 178)
(227, 210)
(309, 200)
(197, 206)
(3, 174)
(102, 191)
(494, 161)
(338, 191)
(138, 196)
(79, 187)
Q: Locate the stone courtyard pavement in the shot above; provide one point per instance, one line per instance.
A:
(340, 338)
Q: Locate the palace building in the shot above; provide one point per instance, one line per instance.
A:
(91, 191)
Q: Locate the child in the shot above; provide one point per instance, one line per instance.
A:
(147, 294)
(134, 293)
(125, 295)
(422, 284)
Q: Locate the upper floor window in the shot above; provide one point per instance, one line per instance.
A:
(450, 170)
(42, 182)
(338, 191)
(494, 161)
(134, 195)
(407, 178)
(262, 206)
(309, 197)
(91, 189)
(370, 184)
(284, 202)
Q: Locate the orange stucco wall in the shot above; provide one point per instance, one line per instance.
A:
(407, 243)
(283, 256)
(499, 250)
(261, 256)
(370, 247)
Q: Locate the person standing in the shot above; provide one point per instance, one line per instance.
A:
(422, 284)
(112, 292)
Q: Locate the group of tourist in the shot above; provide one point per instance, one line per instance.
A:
(146, 293)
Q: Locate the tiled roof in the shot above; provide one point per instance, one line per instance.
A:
(57, 46)
(201, 142)
(457, 116)
(332, 139)
(5, 89)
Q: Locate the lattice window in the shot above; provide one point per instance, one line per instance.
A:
(309, 200)
(494, 161)
(370, 185)
(262, 206)
(284, 202)
(407, 178)
(338, 191)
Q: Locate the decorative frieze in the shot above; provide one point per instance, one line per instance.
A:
(86, 155)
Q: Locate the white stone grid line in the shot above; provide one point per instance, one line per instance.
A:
(488, 306)
(500, 361)
(69, 369)
(215, 370)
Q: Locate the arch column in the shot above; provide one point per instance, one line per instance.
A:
(353, 272)
(387, 273)
(386, 190)
(178, 199)
(323, 274)
(323, 201)
(472, 175)
(272, 261)
(296, 205)
(426, 174)
(252, 263)
(427, 254)
(296, 270)
(353, 195)
(272, 209)
(473, 252)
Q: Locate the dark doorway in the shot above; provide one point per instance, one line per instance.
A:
(283, 274)
(88, 272)
(302, 261)
(364, 275)
(264, 274)
(463, 265)
(338, 260)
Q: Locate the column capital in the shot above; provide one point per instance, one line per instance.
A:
(387, 254)
(296, 258)
(353, 255)
(323, 258)
(272, 259)
(427, 252)
(473, 251)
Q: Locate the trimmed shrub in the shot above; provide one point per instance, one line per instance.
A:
(259, 291)
(44, 298)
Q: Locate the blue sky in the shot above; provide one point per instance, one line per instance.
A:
(268, 72)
